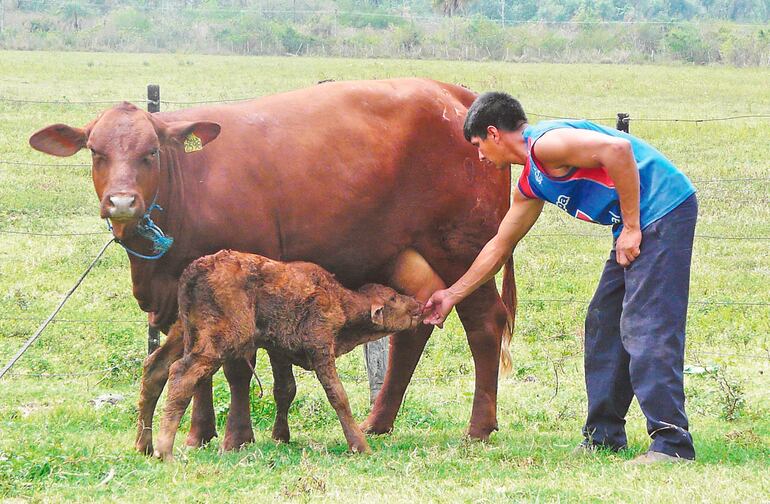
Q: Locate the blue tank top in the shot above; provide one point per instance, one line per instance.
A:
(589, 193)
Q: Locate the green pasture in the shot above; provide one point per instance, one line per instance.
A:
(56, 446)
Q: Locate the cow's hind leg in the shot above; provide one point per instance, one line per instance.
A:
(284, 390)
(238, 431)
(154, 378)
(185, 374)
(414, 276)
(484, 318)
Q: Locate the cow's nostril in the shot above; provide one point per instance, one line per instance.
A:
(122, 201)
(122, 206)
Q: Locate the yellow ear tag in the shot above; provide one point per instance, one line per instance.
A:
(192, 143)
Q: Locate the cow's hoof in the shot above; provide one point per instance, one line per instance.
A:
(143, 442)
(281, 434)
(234, 441)
(144, 446)
(370, 426)
(200, 438)
(480, 433)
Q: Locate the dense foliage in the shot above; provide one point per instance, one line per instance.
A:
(710, 31)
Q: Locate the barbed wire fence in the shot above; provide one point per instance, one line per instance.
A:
(154, 103)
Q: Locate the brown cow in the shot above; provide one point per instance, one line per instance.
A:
(372, 180)
(232, 303)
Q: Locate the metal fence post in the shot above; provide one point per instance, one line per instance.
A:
(376, 359)
(153, 105)
(623, 120)
(153, 339)
(153, 98)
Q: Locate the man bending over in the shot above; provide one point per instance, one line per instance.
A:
(635, 325)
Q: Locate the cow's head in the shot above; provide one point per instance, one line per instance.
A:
(125, 144)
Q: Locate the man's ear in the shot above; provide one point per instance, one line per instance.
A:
(494, 133)
(59, 140)
(207, 131)
(377, 317)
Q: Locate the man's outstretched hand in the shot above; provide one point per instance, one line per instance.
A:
(438, 307)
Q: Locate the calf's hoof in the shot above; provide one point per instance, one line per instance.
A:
(361, 447)
(165, 456)
(372, 426)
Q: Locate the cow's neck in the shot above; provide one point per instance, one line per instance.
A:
(151, 278)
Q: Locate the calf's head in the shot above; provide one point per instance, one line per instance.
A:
(391, 311)
(126, 145)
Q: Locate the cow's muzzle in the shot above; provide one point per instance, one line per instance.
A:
(122, 207)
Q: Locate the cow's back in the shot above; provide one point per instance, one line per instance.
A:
(344, 174)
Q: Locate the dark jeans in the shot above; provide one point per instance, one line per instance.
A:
(634, 338)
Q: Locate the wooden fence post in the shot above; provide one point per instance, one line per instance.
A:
(376, 359)
(623, 120)
(153, 98)
(153, 105)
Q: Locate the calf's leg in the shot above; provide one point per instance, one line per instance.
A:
(284, 390)
(238, 431)
(326, 371)
(154, 378)
(185, 374)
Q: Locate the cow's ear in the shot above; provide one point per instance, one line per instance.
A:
(377, 317)
(205, 130)
(59, 140)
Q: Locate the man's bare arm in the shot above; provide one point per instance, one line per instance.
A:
(517, 222)
(591, 149)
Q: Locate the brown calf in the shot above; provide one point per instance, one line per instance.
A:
(232, 303)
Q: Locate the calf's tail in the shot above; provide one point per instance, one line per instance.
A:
(509, 300)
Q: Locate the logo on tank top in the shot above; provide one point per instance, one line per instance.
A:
(562, 201)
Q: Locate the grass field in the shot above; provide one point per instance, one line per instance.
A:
(55, 446)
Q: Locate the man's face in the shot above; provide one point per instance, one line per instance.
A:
(489, 151)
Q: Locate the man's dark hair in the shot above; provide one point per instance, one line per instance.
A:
(500, 110)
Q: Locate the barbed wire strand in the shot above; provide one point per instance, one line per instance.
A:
(40, 329)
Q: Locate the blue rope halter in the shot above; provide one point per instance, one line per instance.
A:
(146, 228)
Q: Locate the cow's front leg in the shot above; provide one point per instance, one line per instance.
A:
(326, 371)
(284, 390)
(411, 275)
(154, 376)
(203, 427)
(238, 431)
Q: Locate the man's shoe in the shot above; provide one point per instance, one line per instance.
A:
(653, 457)
(585, 448)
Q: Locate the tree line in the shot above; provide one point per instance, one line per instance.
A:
(735, 32)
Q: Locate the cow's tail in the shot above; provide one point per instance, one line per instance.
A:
(509, 300)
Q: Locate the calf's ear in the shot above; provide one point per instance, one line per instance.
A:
(377, 317)
(59, 140)
(207, 131)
